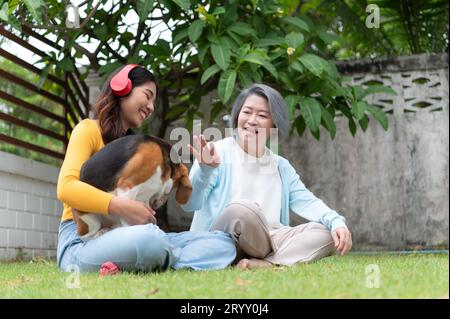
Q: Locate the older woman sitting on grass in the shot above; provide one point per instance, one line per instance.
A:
(241, 187)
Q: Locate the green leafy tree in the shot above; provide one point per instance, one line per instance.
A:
(215, 45)
(405, 26)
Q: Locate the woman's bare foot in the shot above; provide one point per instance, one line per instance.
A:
(253, 263)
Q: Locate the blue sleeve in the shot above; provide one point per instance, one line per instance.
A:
(305, 204)
(203, 179)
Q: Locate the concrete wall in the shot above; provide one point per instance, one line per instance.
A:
(29, 210)
(393, 187)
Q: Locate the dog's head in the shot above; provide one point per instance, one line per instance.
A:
(178, 180)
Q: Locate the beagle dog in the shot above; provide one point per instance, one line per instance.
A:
(137, 167)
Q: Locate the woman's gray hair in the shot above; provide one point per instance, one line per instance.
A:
(277, 107)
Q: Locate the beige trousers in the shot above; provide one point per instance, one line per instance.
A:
(248, 227)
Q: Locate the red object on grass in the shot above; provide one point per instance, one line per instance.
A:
(108, 269)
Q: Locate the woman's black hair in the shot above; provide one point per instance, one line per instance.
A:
(107, 106)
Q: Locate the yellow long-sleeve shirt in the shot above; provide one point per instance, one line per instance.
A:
(85, 141)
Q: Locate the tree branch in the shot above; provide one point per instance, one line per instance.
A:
(53, 27)
(165, 108)
(139, 31)
(89, 16)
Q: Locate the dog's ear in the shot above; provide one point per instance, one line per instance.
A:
(183, 185)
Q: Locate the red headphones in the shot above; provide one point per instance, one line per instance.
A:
(120, 84)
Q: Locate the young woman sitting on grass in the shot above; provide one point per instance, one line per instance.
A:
(143, 246)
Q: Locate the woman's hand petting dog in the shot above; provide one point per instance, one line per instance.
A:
(133, 212)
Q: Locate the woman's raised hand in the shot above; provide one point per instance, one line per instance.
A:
(204, 152)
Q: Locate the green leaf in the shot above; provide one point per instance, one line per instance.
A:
(12, 20)
(345, 109)
(34, 6)
(67, 65)
(352, 126)
(269, 67)
(358, 92)
(372, 89)
(329, 122)
(202, 50)
(101, 32)
(219, 10)
(58, 71)
(83, 76)
(329, 38)
(311, 112)
(13, 4)
(254, 57)
(162, 48)
(243, 51)
(212, 37)
(108, 68)
(143, 8)
(195, 30)
(297, 66)
(4, 12)
(331, 70)
(316, 134)
(287, 81)
(183, 4)
(297, 22)
(221, 55)
(179, 34)
(364, 123)
(43, 75)
(300, 125)
(79, 55)
(259, 25)
(175, 112)
(209, 72)
(237, 42)
(244, 79)
(226, 85)
(242, 28)
(358, 109)
(277, 41)
(230, 42)
(313, 63)
(379, 115)
(126, 37)
(256, 75)
(295, 40)
(292, 101)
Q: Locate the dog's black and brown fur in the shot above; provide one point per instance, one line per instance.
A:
(138, 167)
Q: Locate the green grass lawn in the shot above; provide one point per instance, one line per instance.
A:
(400, 276)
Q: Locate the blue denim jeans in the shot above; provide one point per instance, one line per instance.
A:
(144, 248)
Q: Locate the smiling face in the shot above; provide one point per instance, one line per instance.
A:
(254, 121)
(138, 105)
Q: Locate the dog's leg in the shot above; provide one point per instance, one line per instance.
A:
(94, 225)
(130, 193)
